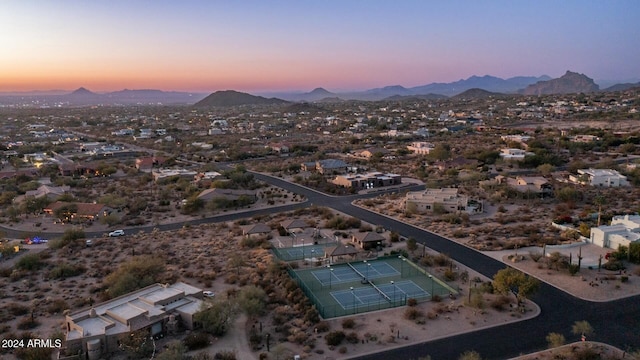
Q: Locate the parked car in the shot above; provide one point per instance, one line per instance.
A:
(208, 293)
(116, 233)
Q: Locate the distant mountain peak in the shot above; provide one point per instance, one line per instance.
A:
(225, 98)
(569, 83)
(82, 91)
(319, 90)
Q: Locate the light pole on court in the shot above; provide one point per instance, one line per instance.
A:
(431, 278)
(394, 293)
(353, 296)
(401, 265)
(330, 276)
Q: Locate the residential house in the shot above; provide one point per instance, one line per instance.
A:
(367, 181)
(622, 231)
(84, 211)
(513, 154)
(527, 184)
(147, 163)
(368, 240)
(258, 228)
(448, 198)
(599, 177)
(156, 309)
(331, 166)
(52, 193)
(420, 147)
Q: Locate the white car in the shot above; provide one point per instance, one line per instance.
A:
(116, 233)
(208, 293)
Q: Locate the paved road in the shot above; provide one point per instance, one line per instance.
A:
(614, 322)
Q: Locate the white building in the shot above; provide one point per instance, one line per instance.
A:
(513, 154)
(599, 177)
(623, 231)
(420, 147)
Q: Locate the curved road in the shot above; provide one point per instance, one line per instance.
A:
(615, 322)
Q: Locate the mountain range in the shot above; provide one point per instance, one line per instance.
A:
(482, 86)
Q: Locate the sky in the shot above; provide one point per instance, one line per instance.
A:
(298, 45)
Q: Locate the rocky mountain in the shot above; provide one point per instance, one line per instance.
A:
(477, 94)
(415, 97)
(622, 87)
(487, 82)
(569, 83)
(235, 98)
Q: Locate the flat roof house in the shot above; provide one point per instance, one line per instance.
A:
(599, 177)
(623, 230)
(157, 308)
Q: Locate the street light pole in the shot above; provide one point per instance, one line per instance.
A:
(330, 276)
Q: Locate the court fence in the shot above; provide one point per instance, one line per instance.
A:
(328, 307)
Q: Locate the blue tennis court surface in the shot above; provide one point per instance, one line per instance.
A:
(304, 252)
(354, 271)
(391, 292)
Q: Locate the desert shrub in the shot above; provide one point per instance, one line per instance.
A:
(450, 275)
(477, 300)
(352, 337)
(33, 353)
(16, 309)
(334, 338)
(412, 302)
(535, 256)
(426, 261)
(441, 260)
(573, 269)
(225, 355)
(500, 302)
(555, 340)
(57, 306)
(64, 270)
(196, 340)
(69, 237)
(348, 323)
(613, 265)
(30, 262)
(322, 326)
(412, 313)
(27, 323)
(135, 274)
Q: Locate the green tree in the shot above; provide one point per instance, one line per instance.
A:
(546, 169)
(252, 300)
(513, 281)
(137, 344)
(216, 317)
(582, 328)
(65, 211)
(135, 274)
(412, 245)
(555, 340)
(470, 355)
(175, 351)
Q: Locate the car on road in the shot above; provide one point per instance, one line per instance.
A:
(116, 233)
(208, 293)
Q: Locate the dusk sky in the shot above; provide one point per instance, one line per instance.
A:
(299, 45)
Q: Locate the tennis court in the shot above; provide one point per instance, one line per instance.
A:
(362, 286)
(354, 271)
